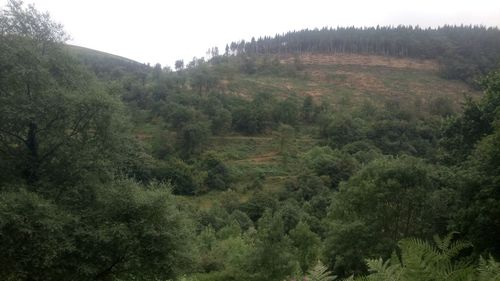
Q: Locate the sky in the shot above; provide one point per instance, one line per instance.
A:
(152, 32)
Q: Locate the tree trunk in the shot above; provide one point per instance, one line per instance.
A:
(32, 164)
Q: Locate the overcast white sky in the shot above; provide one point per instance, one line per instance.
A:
(163, 31)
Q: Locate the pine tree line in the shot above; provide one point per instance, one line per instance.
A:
(463, 51)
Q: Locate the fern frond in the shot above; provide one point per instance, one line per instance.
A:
(420, 261)
(395, 259)
(460, 274)
(444, 243)
(361, 278)
(488, 270)
(320, 273)
(418, 255)
(423, 261)
(376, 265)
(456, 247)
(381, 270)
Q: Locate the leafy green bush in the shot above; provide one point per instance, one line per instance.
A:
(179, 174)
(387, 200)
(335, 164)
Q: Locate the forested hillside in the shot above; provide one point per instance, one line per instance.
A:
(333, 154)
(463, 51)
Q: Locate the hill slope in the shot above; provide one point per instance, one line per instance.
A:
(343, 82)
(106, 65)
(353, 78)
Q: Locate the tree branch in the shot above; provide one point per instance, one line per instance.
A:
(75, 130)
(101, 275)
(52, 121)
(13, 135)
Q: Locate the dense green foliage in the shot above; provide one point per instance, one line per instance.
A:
(115, 170)
(387, 200)
(65, 212)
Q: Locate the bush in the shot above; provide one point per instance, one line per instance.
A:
(335, 164)
(179, 174)
(218, 177)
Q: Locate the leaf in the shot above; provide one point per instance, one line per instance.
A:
(320, 273)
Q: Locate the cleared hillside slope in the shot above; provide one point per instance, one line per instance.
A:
(348, 79)
(344, 82)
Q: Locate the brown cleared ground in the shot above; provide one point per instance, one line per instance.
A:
(351, 79)
(383, 80)
(262, 158)
(366, 60)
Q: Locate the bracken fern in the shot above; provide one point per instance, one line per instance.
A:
(420, 261)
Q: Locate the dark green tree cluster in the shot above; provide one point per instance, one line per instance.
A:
(470, 143)
(69, 208)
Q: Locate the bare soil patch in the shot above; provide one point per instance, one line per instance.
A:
(263, 158)
(367, 60)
